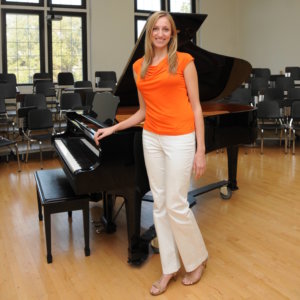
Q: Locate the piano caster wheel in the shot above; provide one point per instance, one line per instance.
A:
(49, 258)
(225, 192)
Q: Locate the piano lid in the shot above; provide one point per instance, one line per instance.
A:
(218, 75)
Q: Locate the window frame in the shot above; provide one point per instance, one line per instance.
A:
(136, 19)
(15, 3)
(41, 36)
(83, 5)
(193, 3)
(136, 10)
(84, 42)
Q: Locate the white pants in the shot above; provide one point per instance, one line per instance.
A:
(169, 161)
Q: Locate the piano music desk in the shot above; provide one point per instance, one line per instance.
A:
(55, 194)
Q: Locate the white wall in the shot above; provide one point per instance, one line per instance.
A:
(111, 35)
(268, 33)
(264, 32)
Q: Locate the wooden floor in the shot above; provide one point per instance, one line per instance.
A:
(253, 239)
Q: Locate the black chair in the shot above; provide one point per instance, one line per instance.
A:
(4, 118)
(293, 72)
(39, 129)
(40, 77)
(285, 84)
(37, 100)
(69, 102)
(105, 107)
(105, 79)
(65, 78)
(241, 96)
(261, 72)
(84, 88)
(270, 118)
(47, 88)
(6, 143)
(294, 124)
(9, 91)
(258, 86)
(274, 94)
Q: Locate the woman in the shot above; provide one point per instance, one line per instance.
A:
(169, 104)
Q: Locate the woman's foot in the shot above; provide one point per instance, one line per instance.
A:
(194, 276)
(160, 286)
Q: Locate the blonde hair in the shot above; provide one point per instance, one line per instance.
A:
(172, 47)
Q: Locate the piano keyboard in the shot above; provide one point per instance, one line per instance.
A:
(78, 153)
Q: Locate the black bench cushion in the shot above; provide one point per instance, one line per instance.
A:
(53, 186)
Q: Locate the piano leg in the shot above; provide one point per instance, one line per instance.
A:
(232, 157)
(138, 248)
(107, 218)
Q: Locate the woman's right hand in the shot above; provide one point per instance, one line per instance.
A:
(102, 133)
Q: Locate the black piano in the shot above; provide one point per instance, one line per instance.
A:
(117, 168)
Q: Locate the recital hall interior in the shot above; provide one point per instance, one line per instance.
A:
(76, 220)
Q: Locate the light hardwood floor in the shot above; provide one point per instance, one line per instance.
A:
(253, 239)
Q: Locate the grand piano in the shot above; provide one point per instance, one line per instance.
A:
(116, 167)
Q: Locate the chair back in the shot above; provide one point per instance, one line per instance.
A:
(105, 107)
(70, 101)
(46, 88)
(284, 83)
(294, 93)
(268, 110)
(37, 100)
(105, 79)
(259, 85)
(39, 119)
(2, 106)
(241, 96)
(274, 94)
(65, 78)
(295, 113)
(261, 72)
(293, 72)
(83, 83)
(8, 86)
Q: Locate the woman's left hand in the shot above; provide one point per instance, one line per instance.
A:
(199, 165)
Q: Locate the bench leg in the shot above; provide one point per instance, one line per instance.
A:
(48, 235)
(39, 206)
(86, 229)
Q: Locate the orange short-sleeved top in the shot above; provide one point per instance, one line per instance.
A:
(168, 110)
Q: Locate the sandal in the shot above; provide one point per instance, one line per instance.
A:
(189, 279)
(161, 289)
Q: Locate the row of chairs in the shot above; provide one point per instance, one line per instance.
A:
(35, 120)
(290, 71)
(277, 111)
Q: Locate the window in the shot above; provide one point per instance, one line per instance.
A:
(68, 3)
(144, 7)
(23, 38)
(184, 6)
(23, 44)
(67, 46)
(22, 1)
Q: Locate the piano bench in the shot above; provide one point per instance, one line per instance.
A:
(55, 195)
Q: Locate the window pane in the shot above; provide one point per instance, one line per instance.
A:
(67, 2)
(153, 5)
(23, 46)
(24, 1)
(67, 47)
(184, 6)
(140, 26)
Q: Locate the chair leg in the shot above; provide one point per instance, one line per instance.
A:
(41, 155)
(285, 141)
(294, 140)
(262, 141)
(18, 158)
(27, 151)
